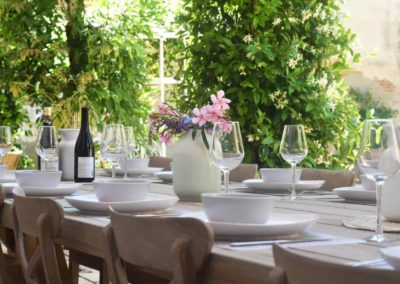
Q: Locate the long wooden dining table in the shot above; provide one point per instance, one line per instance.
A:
(227, 264)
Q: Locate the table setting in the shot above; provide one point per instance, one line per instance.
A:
(250, 216)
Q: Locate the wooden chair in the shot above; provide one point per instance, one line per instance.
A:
(10, 267)
(293, 268)
(243, 172)
(173, 248)
(333, 178)
(11, 160)
(160, 162)
(41, 219)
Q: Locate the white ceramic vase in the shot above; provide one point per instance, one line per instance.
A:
(66, 152)
(193, 172)
(391, 199)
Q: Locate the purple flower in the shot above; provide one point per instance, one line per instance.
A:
(184, 124)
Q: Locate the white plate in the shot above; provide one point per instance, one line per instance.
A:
(355, 193)
(145, 171)
(165, 175)
(8, 178)
(259, 185)
(90, 204)
(277, 225)
(60, 190)
(392, 256)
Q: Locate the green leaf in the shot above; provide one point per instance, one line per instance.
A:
(357, 58)
(194, 132)
(268, 141)
(203, 135)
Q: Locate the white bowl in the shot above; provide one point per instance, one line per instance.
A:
(38, 178)
(279, 175)
(367, 183)
(244, 208)
(137, 163)
(391, 198)
(392, 256)
(121, 190)
(3, 170)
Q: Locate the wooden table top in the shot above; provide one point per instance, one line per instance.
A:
(249, 265)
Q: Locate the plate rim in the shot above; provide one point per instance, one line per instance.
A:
(102, 206)
(306, 181)
(76, 197)
(314, 218)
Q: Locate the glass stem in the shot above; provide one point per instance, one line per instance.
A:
(2, 158)
(379, 187)
(45, 164)
(113, 170)
(293, 191)
(126, 168)
(226, 181)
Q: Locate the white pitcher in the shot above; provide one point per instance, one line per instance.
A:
(193, 172)
(391, 198)
(67, 150)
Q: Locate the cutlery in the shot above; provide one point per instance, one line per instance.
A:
(270, 242)
(368, 262)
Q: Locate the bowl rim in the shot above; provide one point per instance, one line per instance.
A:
(279, 169)
(238, 195)
(37, 172)
(122, 181)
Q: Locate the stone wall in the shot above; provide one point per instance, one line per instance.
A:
(377, 25)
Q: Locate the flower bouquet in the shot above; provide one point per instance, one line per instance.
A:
(193, 172)
(167, 122)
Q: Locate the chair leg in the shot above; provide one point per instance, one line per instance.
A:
(74, 268)
(104, 279)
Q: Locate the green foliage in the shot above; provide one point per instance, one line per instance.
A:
(279, 63)
(369, 107)
(64, 55)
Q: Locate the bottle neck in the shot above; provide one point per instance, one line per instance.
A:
(84, 119)
(47, 120)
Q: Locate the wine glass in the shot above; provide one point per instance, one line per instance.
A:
(379, 159)
(131, 146)
(5, 142)
(293, 149)
(226, 148)
(47, 143)
(113, 144)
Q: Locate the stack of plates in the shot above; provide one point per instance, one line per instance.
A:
(277, 225)
(91, 205)
(356, 193)
(164, 176)
(141, 171)
(259, 186)
(60, 190)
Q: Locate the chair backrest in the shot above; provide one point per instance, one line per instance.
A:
(173, 247)
(160, 162)
(4, 276)
(11, 160)
(333, 178)
(243, 172)
(40, 218)
(292, 268)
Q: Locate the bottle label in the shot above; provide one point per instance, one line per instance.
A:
(52, 164)
(85, 167)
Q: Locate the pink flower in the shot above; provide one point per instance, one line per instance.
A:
(164, 109)
(201, 118)
(220, 100)
(166, 138)
(225, 126)
(213, 113)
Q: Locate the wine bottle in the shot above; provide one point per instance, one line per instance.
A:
(84, 151)
(52, 163)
